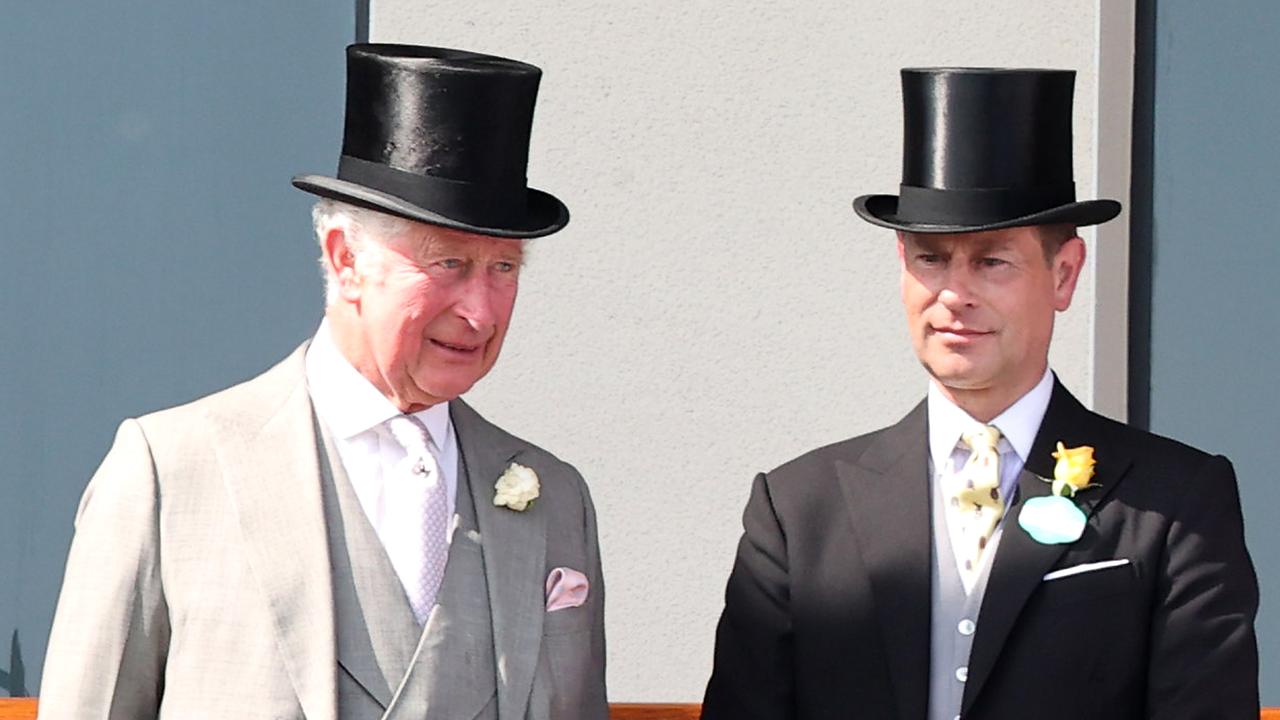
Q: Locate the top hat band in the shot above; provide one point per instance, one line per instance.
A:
(481, 204)
(978, 206)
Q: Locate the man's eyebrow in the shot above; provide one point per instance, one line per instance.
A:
(926, 243)
(443, 248)
(995, 245)
(436, 246)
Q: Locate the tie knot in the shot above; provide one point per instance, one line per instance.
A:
(983, 439)
(411, 434)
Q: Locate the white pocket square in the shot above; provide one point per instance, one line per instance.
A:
(566, 588)
(1085, 567)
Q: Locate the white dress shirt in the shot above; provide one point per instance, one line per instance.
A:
(1018, 426)
(355, 413)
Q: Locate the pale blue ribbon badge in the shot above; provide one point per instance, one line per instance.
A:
(1052, 520)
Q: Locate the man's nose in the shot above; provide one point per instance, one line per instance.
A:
(957, 289)
(477, 304)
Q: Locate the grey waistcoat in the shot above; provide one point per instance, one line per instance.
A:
(953, 616)
(389, 666)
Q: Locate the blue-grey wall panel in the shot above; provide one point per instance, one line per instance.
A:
(1215, 300)
(153, 247)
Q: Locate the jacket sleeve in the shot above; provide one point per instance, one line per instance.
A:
(752, 674)
(569, 679)
(1204, 655)
(110, 634)
(596, 704)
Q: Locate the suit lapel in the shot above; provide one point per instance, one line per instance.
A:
(514, 546)
(269, 458)
(888, 498)
(1020, 561)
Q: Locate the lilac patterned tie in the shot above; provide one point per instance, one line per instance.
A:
(426, 520)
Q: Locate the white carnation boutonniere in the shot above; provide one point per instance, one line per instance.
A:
(517, 488)
(1056, 519)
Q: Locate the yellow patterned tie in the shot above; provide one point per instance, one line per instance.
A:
(974, 503)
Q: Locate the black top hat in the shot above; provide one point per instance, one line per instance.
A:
(985, 149)
(440, 136)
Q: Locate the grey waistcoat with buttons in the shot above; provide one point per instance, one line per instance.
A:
(391, 668)
(949, 606)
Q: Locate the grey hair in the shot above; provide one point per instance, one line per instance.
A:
(367, 232)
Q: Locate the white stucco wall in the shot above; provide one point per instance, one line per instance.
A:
(715, 307)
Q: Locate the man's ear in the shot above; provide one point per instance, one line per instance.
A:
(1067, 266)
(340, 262)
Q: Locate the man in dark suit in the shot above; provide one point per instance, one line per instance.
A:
(1002, 551)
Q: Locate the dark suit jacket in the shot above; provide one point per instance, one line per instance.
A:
(827, 609)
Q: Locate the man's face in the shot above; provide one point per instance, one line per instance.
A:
(431, 310)
(980, 306)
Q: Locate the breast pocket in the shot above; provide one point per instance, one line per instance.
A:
(1088, 585)
(567, 621)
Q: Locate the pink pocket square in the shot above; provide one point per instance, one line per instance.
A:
(566, 588)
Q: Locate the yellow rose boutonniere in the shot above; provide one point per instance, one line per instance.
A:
(1073, 471)
(1055, 520)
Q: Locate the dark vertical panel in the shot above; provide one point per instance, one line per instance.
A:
(1144, 77)
(1214, 296)
(154, 249)
(362, 21)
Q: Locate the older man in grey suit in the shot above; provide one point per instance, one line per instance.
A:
(341, 537)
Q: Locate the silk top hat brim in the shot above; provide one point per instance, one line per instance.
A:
(985, 149)
(882, 210)
(440, 136)
(545, 214)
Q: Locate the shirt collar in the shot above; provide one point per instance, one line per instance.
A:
(348, 403)
(1018, 424)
